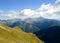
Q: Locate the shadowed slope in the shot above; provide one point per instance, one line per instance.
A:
(50, 35)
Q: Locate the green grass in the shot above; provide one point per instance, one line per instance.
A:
(16, 35)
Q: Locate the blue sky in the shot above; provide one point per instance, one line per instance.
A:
(11, 9)
(22, 4)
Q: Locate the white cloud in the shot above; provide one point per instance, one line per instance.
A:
(25, 13)
(29, 13)
(2, 17)
(48, 11)
(57, 9)
(13, 14)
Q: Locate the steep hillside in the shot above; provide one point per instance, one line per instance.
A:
(16, 35)
(50, 35)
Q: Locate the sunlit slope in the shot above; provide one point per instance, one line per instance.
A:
(16, 35)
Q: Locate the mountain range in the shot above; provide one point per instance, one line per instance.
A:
(47, 30)
(31, 24)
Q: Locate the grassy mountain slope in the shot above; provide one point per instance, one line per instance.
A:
(16, 35)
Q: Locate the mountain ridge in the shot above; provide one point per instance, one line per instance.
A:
(32, 25)
(17, 36)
